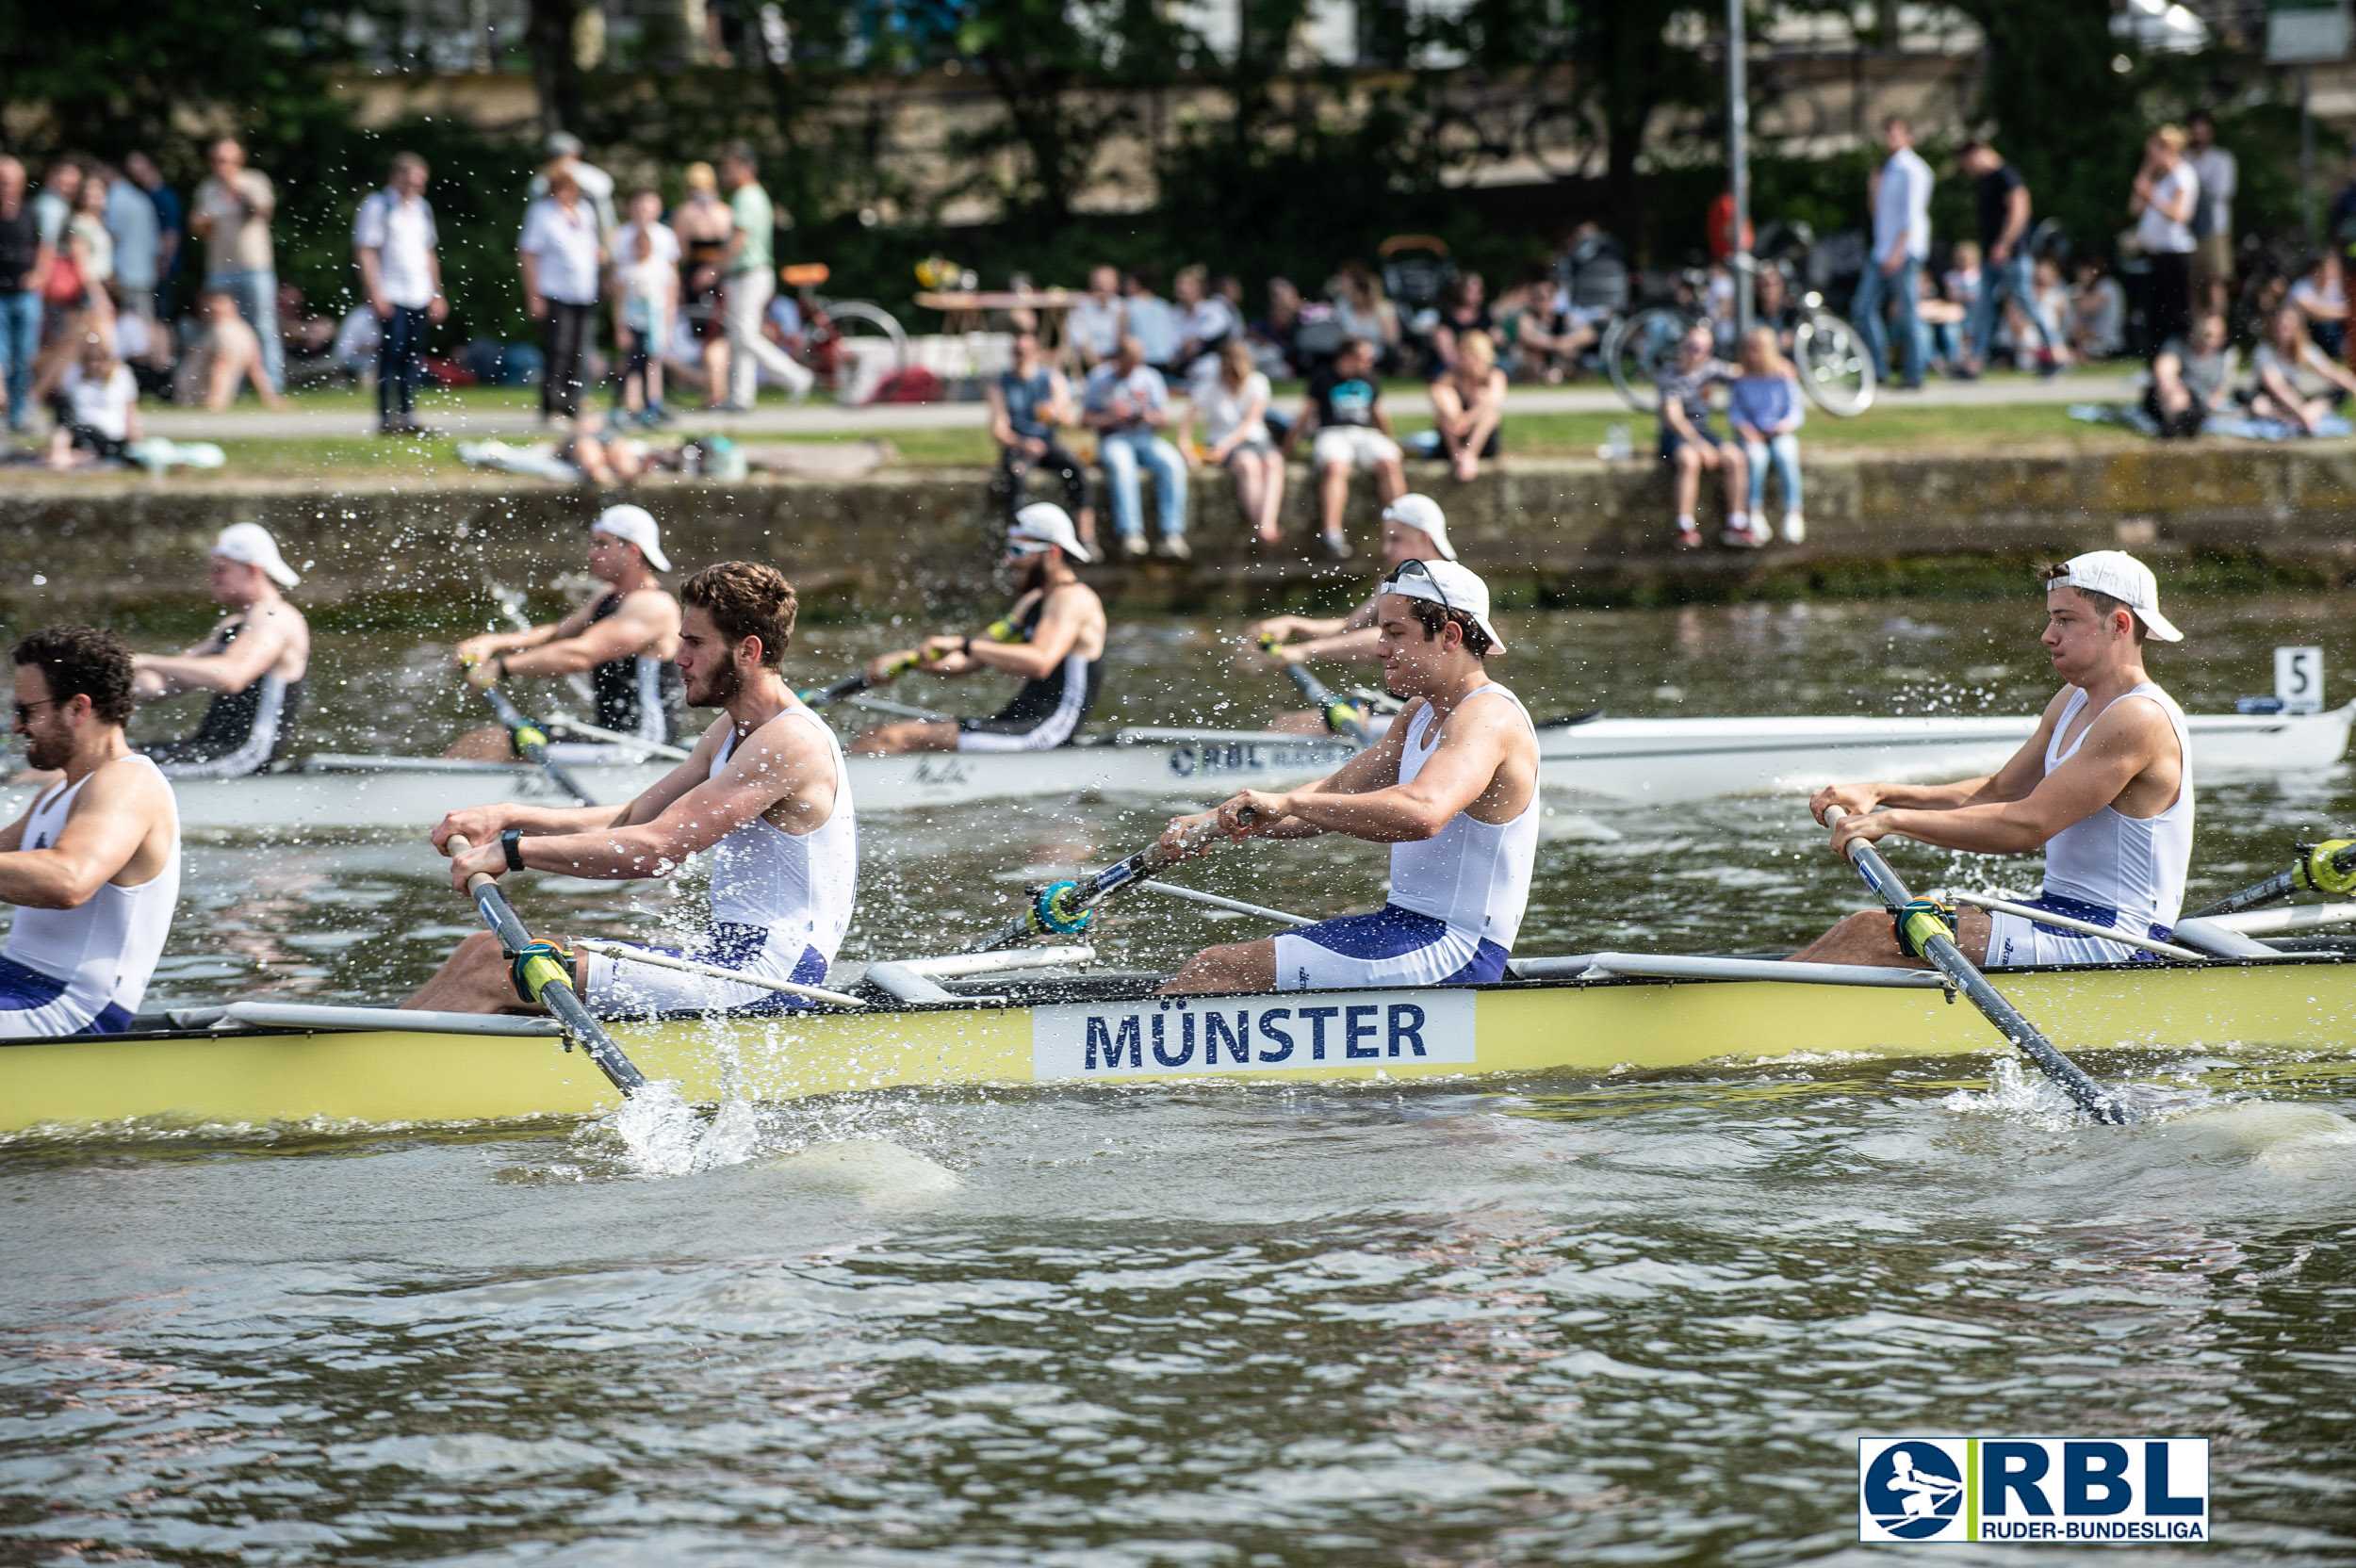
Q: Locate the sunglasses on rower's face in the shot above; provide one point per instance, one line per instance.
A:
(1023, 550)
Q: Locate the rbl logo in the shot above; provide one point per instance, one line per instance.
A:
(2031, 1489)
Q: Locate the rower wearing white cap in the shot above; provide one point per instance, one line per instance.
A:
(1053, 638)
(253, 662)
(1453, 789)
(1414, 529)
(623, 637)
(2103, 787)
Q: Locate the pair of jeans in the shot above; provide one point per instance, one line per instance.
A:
(1014, 473)
(745, 304)
(19, 344)
(1784, 453)
(399, 361)
(566, 338)
(1123, 451)
(2011, 280)
(257, 293)
(1878, 289)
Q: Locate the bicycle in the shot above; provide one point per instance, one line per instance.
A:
(825, 324)
(1828, 354)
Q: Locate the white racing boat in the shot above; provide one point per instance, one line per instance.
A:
(1663, 761)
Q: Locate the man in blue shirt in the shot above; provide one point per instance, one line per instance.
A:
(1127, 406)
(1901, 197)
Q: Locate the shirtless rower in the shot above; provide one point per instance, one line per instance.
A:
(2104, 788)
(93, 867)
(1453, 789)
(623, 637)
(253, 662)
(764, 790)
(1414, 529)
(1058, 650)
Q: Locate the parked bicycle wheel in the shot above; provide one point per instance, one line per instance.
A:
(1635, 350)
(1835, 371)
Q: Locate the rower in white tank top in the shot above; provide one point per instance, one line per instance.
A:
(2123, 872)
(83, 971)
(1456, 900)
(780, 904)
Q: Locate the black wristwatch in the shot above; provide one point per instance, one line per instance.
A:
(512, 845)
(968, 649)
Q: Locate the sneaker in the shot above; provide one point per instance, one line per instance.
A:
(1688, 538)
(1337, 547)
(1795, 527)
(1741, 539)
(2049, 367)
(1174, 547)
(1761, 535)
(1134, 545)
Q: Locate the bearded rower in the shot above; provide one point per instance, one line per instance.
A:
(253, 661)
(623, 637)
(764, 790)
(1453, 789)
(2104, 788)
(93, 867)
(1055, 640)
(1414, 529)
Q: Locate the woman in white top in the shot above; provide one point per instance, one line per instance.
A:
(645, 298)
(2278, 389)
(560, 256)
(1232, 398)
(2322, 298)
(92, 247)
(1363, 311)
(2165, 193)
(102, 404)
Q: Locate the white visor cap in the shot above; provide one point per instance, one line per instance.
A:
(1451, 587)
(1046, 523)
(2125, 579)
(1422, 513)
(634, 525)
(250, 544)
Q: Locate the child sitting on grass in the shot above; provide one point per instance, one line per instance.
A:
(1689, 445)
(1767, 416)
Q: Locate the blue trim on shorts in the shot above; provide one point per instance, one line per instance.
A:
(731, 945)
(1391, 932)
(2100, 914)
(23, 988)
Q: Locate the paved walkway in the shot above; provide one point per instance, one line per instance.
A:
(825, 420)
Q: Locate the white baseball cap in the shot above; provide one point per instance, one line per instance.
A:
(2125, 579)
(1046, 523)
(251, 543)
(1422, 513)
(634, 525)
(1449, 585)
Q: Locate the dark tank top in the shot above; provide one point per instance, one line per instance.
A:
(639, 695)
(1039, 699)
(242, 732)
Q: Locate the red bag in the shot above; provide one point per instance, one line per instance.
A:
(63, 284)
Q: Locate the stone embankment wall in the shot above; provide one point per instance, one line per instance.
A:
(1543, 531)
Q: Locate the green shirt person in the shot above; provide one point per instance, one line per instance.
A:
(749, 281)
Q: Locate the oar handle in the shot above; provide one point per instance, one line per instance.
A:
(851, 685)
(458, 845)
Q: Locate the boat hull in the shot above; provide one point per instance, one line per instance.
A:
(1659, 761)
(1560, 1028)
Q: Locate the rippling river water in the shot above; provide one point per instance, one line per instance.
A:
(1640, 1318)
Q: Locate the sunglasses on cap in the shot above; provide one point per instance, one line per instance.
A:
(1414, 566)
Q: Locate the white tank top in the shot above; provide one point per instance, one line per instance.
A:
(1473, 875)
(800, 887)
(105, 950)
(2136, 865)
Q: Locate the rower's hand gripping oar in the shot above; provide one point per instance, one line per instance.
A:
(532, 744)
(1925, 931)
(852, 685)
(2329, 867)
(542, 974)
(1341, 716)
(1062, 908)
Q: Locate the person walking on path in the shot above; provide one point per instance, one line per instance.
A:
(24, 258)
(234, 208)
(1127, 404)
(560, 255)
(1028, 400)
(394, 243)
(2213, 221)
(2165, 196)
(2005, 269)
(749, 283)
(1900, 194)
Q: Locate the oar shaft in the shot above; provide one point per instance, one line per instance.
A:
(1340, 717)
(556, 987)
(1949, 960)
(2338, 856)
(625, 954)
(1070, 901)
(532, 745)
(652, 748)
(1237, 905)
(852, 685)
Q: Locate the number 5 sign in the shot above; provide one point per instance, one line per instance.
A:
(2298, 680)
